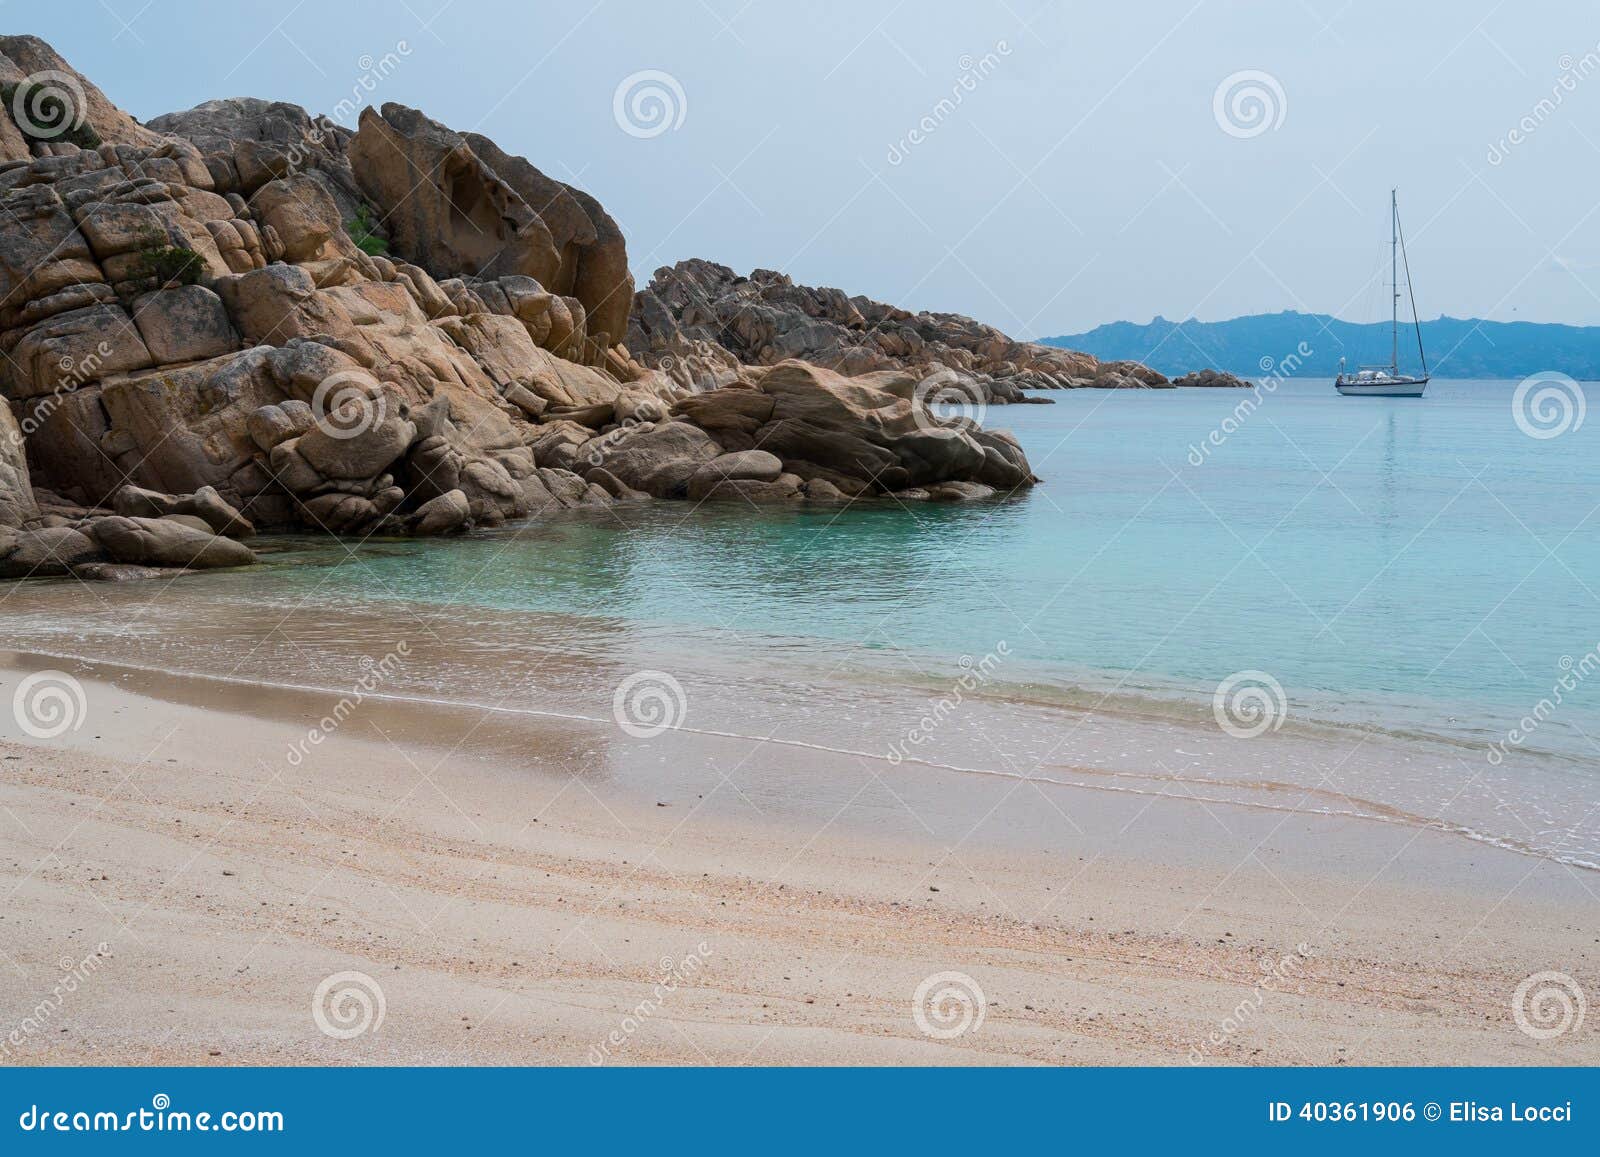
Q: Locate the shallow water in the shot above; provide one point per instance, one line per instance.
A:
(1414, 575)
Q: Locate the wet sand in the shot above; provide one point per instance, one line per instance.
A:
(518, 898)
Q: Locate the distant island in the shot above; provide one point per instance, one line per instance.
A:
(1457, 347)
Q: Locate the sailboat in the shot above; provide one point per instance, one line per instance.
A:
(1387, 381)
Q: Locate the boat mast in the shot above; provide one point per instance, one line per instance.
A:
(1411, 291)
(1394, 283)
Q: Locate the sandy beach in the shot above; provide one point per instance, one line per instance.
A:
(507, 901)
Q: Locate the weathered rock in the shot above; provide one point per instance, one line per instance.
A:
(699, 323)
(351, 446)
(740, 466)
(658, 458)
(185, 324)
(445, 514)
(166, 542)
(137, 502)
(612, 485)
(118, 572)
(280, 375)
(45, 553)
(1212, 379)
(209, 506)
(821, 490)
(445, 209)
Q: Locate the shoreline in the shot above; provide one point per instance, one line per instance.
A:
(512, 873)
(1317, 744)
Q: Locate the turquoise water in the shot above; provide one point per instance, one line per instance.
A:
(1417, 565)
(1416, 575)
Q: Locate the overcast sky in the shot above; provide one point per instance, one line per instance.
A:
(1087, 163)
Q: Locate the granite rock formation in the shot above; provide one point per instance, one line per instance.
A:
(700, 323)
(243, 318)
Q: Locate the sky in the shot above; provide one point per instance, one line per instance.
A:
(1045, 167)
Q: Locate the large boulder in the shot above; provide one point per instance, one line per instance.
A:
(819, 423)
(48, 552)
(166, 542)
(657, 458)
(593, 256)
(445, 209)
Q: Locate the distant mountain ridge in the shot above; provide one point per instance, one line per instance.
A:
(1457, 347)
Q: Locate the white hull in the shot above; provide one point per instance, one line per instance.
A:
(1390, 389)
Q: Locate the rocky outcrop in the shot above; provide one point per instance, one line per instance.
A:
(242, 318)
(699, 323)
(1212, 379)
(796, 430)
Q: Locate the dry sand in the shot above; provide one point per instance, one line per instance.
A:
(515, 906)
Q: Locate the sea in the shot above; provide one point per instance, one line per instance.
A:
(1280, 598)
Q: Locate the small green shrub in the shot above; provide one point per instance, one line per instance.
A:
(169, 263)
(367, 233)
